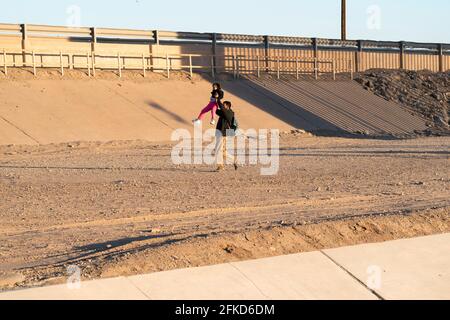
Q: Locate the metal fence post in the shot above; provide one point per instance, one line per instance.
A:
(155, 58)
(34, 63)
(88, 64)
(61, 63)
(93, 39)
(278, 68)
(214, 52)
(267, 51)
(334, 69)
(167, 66)
(93, 63)
(71, 61)
(5, 62)
(316, 55)
(119, 66)
(351, 69)
(24, 31)
(213, 67)
(143, 65)
(441, 57)
(316, 68)
(190, 66)
(315, 47)
(258, 66)
(358, 56)
(234, 66)
(156, 36)
(402, 54)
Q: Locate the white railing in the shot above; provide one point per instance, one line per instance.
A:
(236, 64)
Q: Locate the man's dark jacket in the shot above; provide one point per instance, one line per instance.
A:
(225, 120)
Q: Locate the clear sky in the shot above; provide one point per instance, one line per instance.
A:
(410, 20)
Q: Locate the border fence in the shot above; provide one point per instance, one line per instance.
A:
(39, 46)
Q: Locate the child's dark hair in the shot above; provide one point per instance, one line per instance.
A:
(227, 104)
(217, 85)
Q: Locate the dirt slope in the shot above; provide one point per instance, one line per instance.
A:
(425, 93)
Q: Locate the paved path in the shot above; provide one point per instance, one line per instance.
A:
(416, 268)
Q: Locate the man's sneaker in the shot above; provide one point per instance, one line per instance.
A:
(213, 122)
(196, 121)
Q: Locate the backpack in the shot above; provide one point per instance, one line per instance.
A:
(234, 128)
(235, 124)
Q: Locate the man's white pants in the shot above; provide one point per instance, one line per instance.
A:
(221, 151)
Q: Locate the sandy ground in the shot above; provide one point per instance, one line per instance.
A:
(123, 208)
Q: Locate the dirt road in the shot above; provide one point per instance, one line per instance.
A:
(123, 207)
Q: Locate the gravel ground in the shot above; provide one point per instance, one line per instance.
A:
(123, 208)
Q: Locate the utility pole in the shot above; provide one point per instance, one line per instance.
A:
(344, 20)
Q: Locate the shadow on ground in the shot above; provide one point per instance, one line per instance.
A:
(326, 108)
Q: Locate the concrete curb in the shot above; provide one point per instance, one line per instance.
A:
(415, 268)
